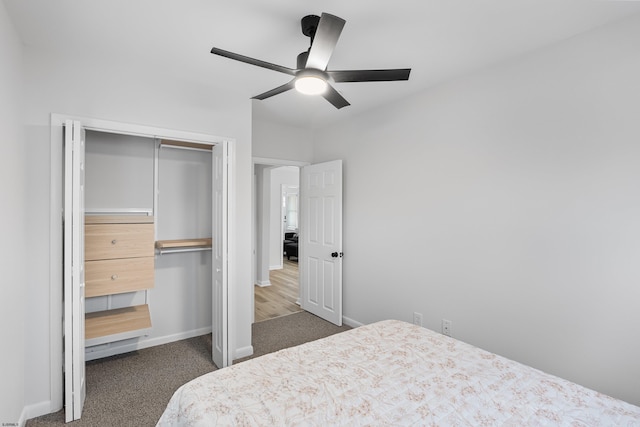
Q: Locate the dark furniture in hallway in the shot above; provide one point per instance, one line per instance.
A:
(291, 245)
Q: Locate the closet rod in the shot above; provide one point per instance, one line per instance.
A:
(186, 148)
(174, 251)
(109, 211)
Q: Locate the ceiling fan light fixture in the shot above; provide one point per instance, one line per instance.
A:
(311, 76)
(311, 85)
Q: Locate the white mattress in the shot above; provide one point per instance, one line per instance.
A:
(389, 373)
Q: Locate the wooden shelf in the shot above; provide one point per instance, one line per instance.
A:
(184, 243)
(117, 324)
(118, 219)
(196, 145)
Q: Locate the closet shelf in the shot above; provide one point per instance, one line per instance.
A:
(183, 244)
(185, 144)
(118, 324)
(118, 219)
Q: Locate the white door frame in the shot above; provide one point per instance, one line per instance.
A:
(268, 162)
(56, 235)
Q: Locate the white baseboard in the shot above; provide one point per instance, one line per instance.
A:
(23, 417)
(34, 410)
(263, 283)
(112, 351)
(276, 267)
(351, 322)
(243, 352)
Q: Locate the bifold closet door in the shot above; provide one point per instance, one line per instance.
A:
(220, 178)
(74, 359)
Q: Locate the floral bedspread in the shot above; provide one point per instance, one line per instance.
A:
(389, 373)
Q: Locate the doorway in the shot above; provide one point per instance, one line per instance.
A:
(320, 237)
(275, 232)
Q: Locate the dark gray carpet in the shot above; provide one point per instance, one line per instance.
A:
(133, 389)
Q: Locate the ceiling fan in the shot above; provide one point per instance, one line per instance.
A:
(311, 76)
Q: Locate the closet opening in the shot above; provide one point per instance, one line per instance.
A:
(148, 219)
(145, 237)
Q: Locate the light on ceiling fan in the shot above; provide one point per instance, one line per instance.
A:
(311, 85)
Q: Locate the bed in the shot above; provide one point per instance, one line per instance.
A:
(389, 373)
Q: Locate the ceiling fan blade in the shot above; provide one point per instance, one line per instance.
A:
(324, 41)
(334, 97)
(370, 75)
(253, 61)
(285, 87)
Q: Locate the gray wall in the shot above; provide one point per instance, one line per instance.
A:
(507, 202)
(262, 233)
(119, 171)
(279, 141)
(14, 186)
(184, 207)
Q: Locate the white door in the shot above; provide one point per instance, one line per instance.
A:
(320, 243)
(75, 385)
(220, 292)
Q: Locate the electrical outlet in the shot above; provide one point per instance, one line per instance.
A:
(417, 319)
(446, 327)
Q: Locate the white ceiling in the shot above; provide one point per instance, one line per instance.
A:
(438, 39)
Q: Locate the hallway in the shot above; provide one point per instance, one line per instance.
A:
(280, 298)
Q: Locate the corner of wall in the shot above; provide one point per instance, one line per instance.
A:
(351, 322)
(35, 410)
(243, 352)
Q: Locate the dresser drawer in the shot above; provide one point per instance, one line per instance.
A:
(116, 276)
(111, 241)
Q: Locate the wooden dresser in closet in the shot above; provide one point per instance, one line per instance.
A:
(119, 258)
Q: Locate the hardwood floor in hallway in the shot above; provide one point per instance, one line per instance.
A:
(280, 298)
